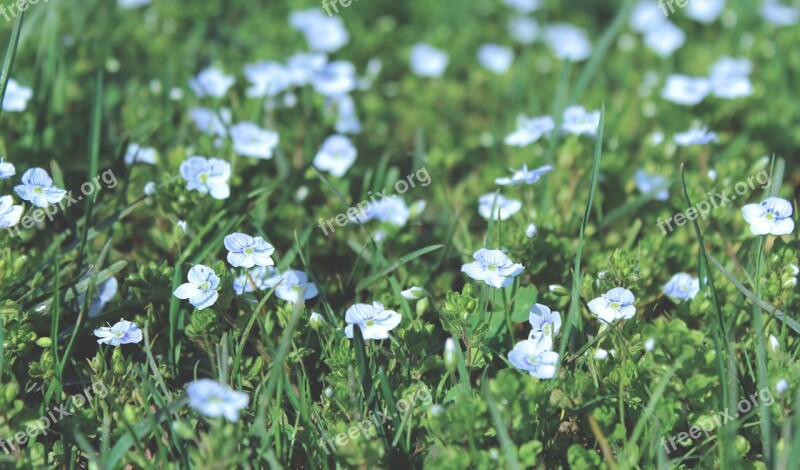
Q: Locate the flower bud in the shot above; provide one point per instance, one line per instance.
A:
(44, 342)
(316, 320)
(558, 289)
(450, 354)
(413, 293)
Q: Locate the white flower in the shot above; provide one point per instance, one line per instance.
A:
(391, 209)
(336, 79)
(535, 357)
(601, 354)
(646, 16)
(336, 155)
(664, 39)
(695, 136)
(428, 61)
(267, 78)
(685, 90)
(779, 14)
(291, 283)
(614, 304)
(705, 11)
(150, 188)
(530, 130)
(729, 78)
(252, 141)
(105, 292)
(495, 58)
(201, 290)
(523, 6)
(772, 216)
(213, 399)
(9, 213)
(38, 189)
(264, 278)
(413, 293)
(7, 170)
(207, 176)
(347, 121)
(543, 321)
(578, 121)
(531, 231)
(302, 66)
(492, 267)
(524, 176)
(781, 386)
(682, 286)
(123, 332)
(138, 154)
(17, 96)
(211, 82)
(245, 251)
(568, 42)
(498, 207)
(774, 345)
(182, 225)
(211, 122)
(649, 344)
(646, 183)
(523, 29)
(373, 321)
(322, 32)
(131, 4)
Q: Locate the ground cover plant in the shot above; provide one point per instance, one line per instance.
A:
(419, 234)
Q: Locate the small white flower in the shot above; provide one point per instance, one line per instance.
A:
(495, 58)
(705, 11)
(529, 130)
(772, 216)
(413, 293)
(531, 231)
(252, 141)
(535, 357)
(212, 399)
(38, 189)
(682, 286)
(774, 345)
(492, 267)
(17, 96)
(523, 29)
(9, 213)
(245, 251)
(695, 136)
(568, 42)
(649, 344)
(543, 321)
(123, 332)
(336, 156)
(497, 207)
(291, 283)
(613, 305)
(601, 354)
(781, 386)
(428, 61)
(685, 90)
(182, 225)
(211, 82)
(373, 320)
(578, 121)
(138, 154)
(150, 188)
(524, 176)
(647, 182)
(201, 290)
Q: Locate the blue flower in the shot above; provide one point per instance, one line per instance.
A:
(245, 251)
(578, 121)
(291, 284)
(322, 32)
(682, 286)
(428, 61)
(207, 176)
(211, 122)
(264, 277)
(696, 136)
(772, 216)
(568, 42)
(336, 155)
(123, 332)
(524, 176)
(543, 321)
(104, 293)
(7, 170)
(374, 321)
(529, 130)
(647, 182)
(138, 154)
(497, 206)
(338, 78)
(685, 90)
(201, 290)
(212, 399)
(211, 82)
(492, 267)
(495, 58)
(37, 188)
(392, 209)
(252, 141)
(9, 213)
(269, 78)
(535, 357)
(17, 96)
(614, 304)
